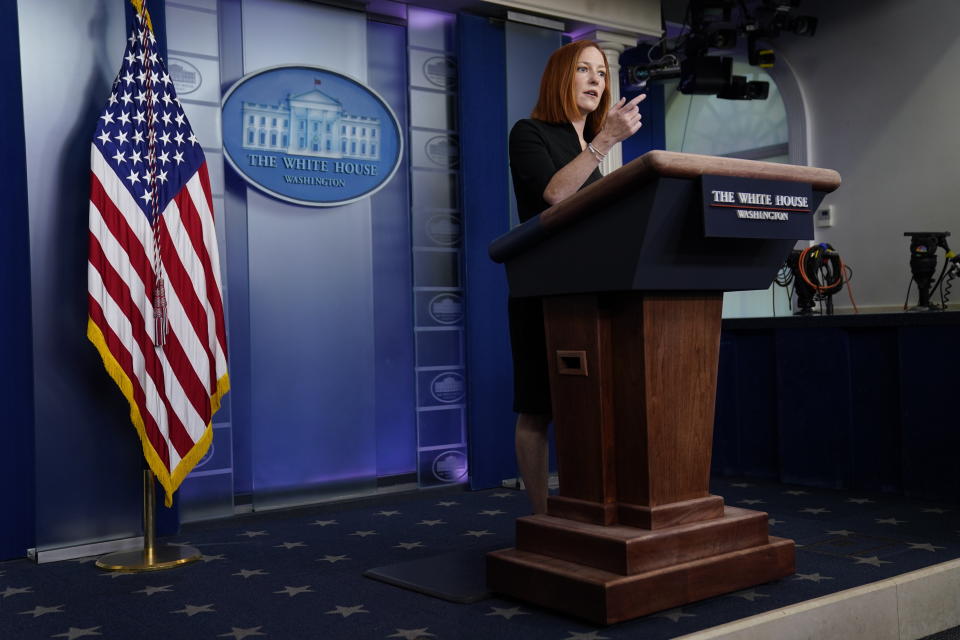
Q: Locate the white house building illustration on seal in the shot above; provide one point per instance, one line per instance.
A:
(310, 124)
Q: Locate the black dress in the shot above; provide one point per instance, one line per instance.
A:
(537, 151)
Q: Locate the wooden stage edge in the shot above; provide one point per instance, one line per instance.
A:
(603, 597)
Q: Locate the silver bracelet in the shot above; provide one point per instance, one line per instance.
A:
(596, 153)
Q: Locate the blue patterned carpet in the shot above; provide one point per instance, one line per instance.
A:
(297, 574)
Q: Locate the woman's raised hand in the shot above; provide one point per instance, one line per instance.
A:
(623, 120)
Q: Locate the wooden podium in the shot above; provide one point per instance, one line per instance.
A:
(632, 292)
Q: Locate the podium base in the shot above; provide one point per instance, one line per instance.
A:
(604, 597)
(164, 556)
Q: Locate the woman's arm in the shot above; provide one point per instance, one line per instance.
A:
(623, 120)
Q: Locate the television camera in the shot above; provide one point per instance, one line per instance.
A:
(711, 25)
(923, 268)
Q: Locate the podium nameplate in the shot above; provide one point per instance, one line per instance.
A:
(735, 207)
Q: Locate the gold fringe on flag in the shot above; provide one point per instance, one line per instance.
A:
(169, 482)
(140, 6)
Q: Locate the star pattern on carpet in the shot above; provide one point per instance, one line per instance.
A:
(741, 485)
(364, 534)
(346, 612)
(148, 590)
(39, 610)
(812, 577)
(589, 635)
(860, 500)
(192, 610)
(212, 558)
(507, 613)
(333, 559)
(408, 545)
(849, 535)
(937, 510)
(815, 510)
(412, 634)
(797, 492)
(239, 633)
(289, 545)
(674, 615)
(324, 523)
(749, 595)
(293, 591)
(503, 494)
(73, 633)
(115, 574)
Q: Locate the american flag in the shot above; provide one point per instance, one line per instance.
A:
(153, 277)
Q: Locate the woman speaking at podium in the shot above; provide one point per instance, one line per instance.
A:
(553, 154)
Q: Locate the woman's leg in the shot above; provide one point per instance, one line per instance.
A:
(531, 443)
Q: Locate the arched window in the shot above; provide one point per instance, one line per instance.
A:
(751, 129)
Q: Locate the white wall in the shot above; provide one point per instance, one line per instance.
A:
(880, 85)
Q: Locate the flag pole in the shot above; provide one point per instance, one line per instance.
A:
(153, 556)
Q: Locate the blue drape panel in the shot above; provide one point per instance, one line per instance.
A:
(16, 394)
(844, 402)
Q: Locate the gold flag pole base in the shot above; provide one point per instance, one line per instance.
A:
(152, 557)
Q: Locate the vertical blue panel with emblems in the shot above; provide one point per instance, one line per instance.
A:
(437, 244)
(193, 61)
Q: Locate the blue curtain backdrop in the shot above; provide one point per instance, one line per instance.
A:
(486, 216)
(16, 394)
